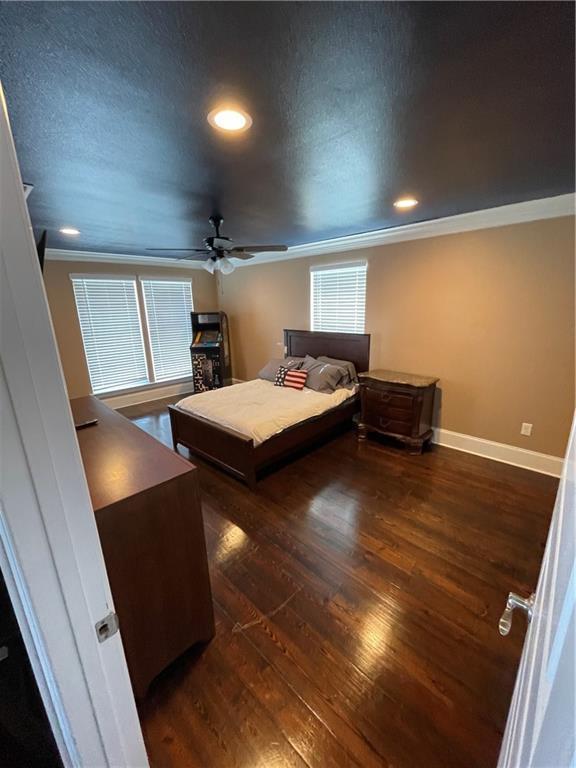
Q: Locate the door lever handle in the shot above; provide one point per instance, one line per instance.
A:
(515, 601)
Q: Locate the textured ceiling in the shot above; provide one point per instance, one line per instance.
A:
(464, 105)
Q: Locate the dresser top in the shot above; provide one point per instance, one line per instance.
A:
(396, 377)
(120, 459)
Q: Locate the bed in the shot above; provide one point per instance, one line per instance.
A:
(243, 456)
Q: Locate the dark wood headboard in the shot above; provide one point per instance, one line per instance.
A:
(354, 347)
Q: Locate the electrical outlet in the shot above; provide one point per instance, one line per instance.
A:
(526, 429)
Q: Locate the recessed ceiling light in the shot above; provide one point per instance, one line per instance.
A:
(405, 202)
(69, 231)
(228, 119)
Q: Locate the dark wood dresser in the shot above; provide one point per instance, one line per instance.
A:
(147, 505)
(398, 405)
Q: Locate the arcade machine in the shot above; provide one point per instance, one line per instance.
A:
(210, 350)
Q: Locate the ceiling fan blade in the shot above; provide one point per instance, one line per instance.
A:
(188, 250)
(259, 248)
(241, 255)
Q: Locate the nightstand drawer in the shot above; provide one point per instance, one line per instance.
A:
(375, 411)
(377, 398)
(386, 424)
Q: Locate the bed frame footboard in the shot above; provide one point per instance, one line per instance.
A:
(230, 450)
(236, 453)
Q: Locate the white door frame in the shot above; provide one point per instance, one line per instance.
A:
(50, 551)
(541, 727)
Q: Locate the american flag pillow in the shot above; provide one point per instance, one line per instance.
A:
(288, 377)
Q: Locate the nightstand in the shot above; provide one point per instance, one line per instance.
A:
(398, 405)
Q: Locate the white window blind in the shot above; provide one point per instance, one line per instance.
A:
(111, 331)
(168, 305)
(338, 297)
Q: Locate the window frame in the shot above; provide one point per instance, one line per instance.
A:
(152, 383)
(333, 266)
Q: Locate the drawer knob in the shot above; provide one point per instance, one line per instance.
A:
(386, 396)
(384, 422)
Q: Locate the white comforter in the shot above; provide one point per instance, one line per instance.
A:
(259, 409)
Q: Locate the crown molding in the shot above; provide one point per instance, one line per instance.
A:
(502, 216)
(58, 254)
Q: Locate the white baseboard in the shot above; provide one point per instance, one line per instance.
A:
(147, 395)
(507, 454)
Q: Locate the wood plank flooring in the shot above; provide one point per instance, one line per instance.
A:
(357, 595)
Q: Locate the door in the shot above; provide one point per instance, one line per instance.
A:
(50, 553)
(541, 727)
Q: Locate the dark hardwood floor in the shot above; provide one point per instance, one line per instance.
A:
(357, 596)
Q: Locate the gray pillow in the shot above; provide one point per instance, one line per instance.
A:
(271, 369)
(351, 376)
(322, 377)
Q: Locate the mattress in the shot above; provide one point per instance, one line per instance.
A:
(259, 409)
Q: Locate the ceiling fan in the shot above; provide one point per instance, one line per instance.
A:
(218, 250)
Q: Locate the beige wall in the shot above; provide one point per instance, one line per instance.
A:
(490, 312)
(63, 308)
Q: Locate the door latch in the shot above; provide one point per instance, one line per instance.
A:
(106, 627)
(515, 601)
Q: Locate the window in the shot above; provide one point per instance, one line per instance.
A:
(338, 297)
(118, 345)
(111, 331)
(168, 305)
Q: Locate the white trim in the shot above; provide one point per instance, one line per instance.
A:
(501, 216)
(504, 215)
(166, 279)
(507, 454)
(34, 643)
(100, 276)
(58, 254)
(47, 509)
(147, 395)
(153, 393)
(320, 267)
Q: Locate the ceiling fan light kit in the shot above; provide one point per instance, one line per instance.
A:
(226, 266)
(218, 250)
(223, 265)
